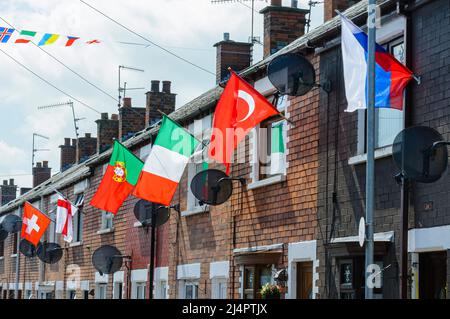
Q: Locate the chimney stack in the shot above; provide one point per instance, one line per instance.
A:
(107, 131)
(87, 146)
(131, 119)
(282, 25)
(68, 154)
(236, 55)
(7, 192)
(41, 173)
(330, 6)
(156, 100)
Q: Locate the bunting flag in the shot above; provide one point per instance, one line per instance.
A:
(25, 36)
(71, 41)
(34, 224)
(5, 34)
(48, 38)
(277, 151)
(121, 176)
(165, 165)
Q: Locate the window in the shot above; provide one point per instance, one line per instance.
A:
(51, 235)
(256, 276)
(139, 290)
(118, 290)
(100, 291)
(161, 289)
(71, 294)
(190, 290)
(85, 294)
(28, 294)
(201, 129)
(2, 249)
(14, 243)
(78, 219)
(219, 288)
(107, 220)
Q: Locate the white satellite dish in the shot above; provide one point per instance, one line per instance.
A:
(362, 232)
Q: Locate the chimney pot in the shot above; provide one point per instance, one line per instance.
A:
(39, 164)
(5, 182)
(104, 116)
(155, 86)
(330, 6)
(114, 117)
(11, 181)
(127, 102)
(88, 135)
(226, 36)
(166, 86)
(276, 3)
(45, 164)
(67, 141)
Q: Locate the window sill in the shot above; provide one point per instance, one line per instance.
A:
(13, 255)
(2, 257)
(76, 244)
(379, 153)
(195, 210)
(267, 181)
(105, 231)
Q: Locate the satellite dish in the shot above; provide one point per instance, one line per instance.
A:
(143, 213)
(49, 253)
(12, 223)
(107, 259)
(291, 74)
(3, 233)
(27, 248)
(362, 232)
(212, 187)
(415, 153)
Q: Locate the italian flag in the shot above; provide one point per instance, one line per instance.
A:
(165, 165)
(119, 180)
(277, 154)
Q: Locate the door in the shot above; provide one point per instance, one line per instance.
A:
(433, 275)
(304, 280)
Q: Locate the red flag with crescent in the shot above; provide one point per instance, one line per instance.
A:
(240, 108)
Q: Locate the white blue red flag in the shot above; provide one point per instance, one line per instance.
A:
(391, 76)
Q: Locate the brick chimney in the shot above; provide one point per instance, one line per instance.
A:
(41, 173)
(24, 190)
(236, 55)
(131, 119)
(107, 131)
(8, 192)
(282, 25)
(156, 100)
(331, 5)
(68, 154)
(87, 146)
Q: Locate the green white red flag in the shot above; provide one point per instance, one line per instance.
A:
(165, 165)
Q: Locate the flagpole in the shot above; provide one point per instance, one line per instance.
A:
(370, 166)
(16, 287)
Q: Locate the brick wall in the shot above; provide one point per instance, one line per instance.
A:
(162, 100)
(68, 155)
(8, 192)
(107, 131)
(41, 173)
(87, 146)
(131, 119)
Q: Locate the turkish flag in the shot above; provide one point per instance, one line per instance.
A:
(34, 224)
(239, 109)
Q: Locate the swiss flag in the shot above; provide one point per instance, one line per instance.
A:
(239, 109)
(34, 224)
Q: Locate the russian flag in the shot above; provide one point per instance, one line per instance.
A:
(391, 76)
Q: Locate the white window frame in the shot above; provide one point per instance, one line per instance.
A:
(138, 290)
(184, 284)
(389, 31)
(107, 221)
(100, 288)
(161, 287)
(201, 128)
(219, 288)
(78, 220)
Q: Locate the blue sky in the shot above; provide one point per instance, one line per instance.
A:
(187, 27)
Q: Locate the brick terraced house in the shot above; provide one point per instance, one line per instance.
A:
(297, 227)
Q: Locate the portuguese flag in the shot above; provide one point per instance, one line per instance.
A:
(165, 165)
(119, 180)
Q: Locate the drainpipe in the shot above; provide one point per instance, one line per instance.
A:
(16, 288)
(41, 264)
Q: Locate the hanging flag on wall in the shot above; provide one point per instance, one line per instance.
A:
(239, 109)
(165, 165)
(391, 76)
(34, 224)
(65, 211)
(120, 177)
(277, 151)
(5, 34)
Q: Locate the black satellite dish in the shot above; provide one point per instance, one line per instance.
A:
(291, 74)
(143, 213)
(27, 248)
(12, 223)
(3, 233)
(107, 259)
(49, 253)
(212, 187)
(420, 153)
